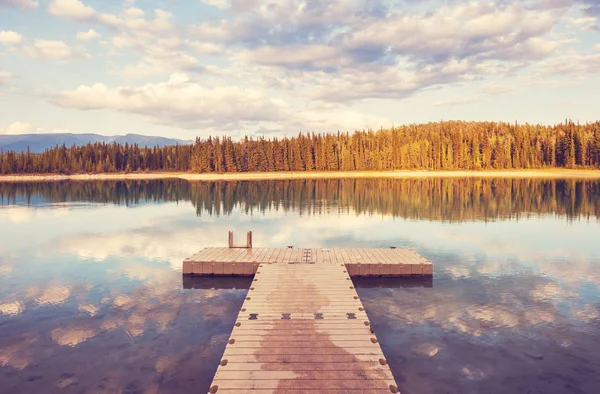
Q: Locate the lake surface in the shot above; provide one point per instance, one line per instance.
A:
(92, 297)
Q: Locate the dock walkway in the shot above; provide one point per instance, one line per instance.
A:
(303, 329)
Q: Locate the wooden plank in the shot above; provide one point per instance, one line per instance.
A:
(261, 256)
(207, 254)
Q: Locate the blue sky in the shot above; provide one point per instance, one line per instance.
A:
(247, 67)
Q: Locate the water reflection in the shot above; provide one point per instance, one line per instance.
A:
(92, 298)
(446, 199)
(149, 337)
(510, 333)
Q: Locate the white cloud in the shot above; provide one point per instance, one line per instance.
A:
(489, 30)
(571, 62)
(222, 4)
(88, 35)
(340, 51)
(72, 9)
(8, 37)
(186, 103)
(289, 54)
(52, 50)
(180, 101)
(153, 39)
(21, 4)
(40, 49)
(17, 128)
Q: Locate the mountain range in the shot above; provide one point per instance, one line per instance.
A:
(37, 143)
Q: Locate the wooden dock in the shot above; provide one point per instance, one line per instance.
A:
(359, 261)
(302, 327)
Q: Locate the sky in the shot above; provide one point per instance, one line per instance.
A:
(187, 68)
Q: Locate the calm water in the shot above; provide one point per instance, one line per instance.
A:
(92, 297)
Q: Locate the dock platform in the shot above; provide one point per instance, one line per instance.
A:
(358, 261)
(302, 327)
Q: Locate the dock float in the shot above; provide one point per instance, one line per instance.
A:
(302, 327)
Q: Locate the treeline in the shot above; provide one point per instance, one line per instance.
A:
(98, 157)
(435, 146)
(440, 199)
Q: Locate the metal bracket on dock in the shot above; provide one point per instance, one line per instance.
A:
(253, 316)
(286, 316)
(351, 315)
(318, 316)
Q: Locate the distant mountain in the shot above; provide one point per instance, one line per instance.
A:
(39, 142)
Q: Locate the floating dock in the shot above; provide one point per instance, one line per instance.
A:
(302, 327)
(358, 261)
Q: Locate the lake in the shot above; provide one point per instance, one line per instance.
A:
(92, 297)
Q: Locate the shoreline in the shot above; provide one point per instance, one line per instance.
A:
(400, 174)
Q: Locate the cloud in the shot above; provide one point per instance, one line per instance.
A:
(152, 39)
(21, 4)
(40, 49)
(159, 55)
(71, 9)
(180, 101)
(88, 35)
(131, 18)
(52, 50)
(294, 55)
(573, 63)
(8, 37)
(297, 56)
(184, 102)
(374, 33)
(222, 4)
(17, 128)
(478, 36)
(340, 51)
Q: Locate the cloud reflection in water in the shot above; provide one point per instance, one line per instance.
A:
(92, 298)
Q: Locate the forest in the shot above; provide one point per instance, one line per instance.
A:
(451, 145)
